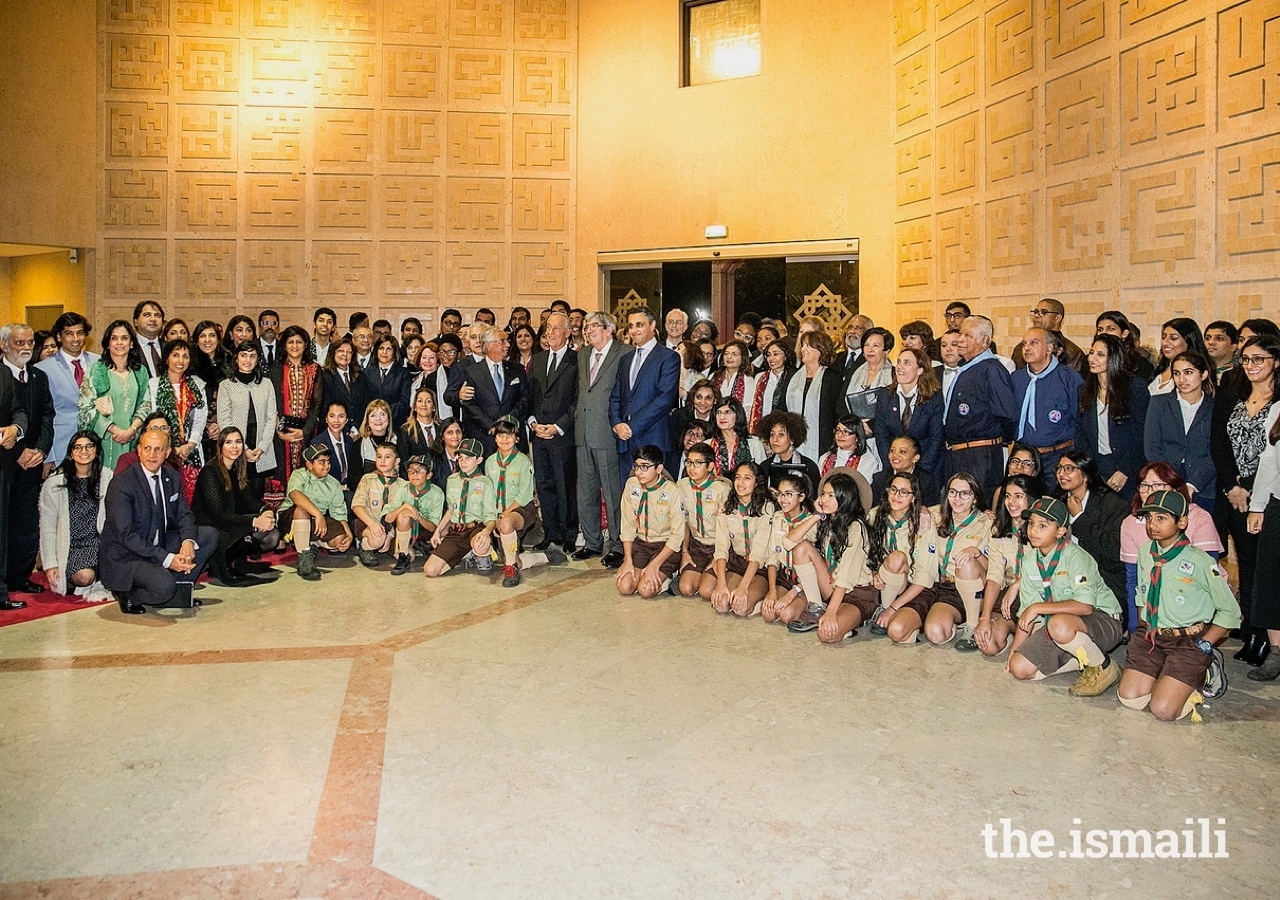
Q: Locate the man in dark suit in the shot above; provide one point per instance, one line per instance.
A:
(851, 360)
(596, 442)
(645, 391)
(151, 550)
(553, 389)
(13, 425)
(491, 388)
(32, 392)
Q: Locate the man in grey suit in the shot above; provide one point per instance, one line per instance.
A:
(593, 432)
(66, 370)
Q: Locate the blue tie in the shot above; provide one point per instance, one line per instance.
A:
(497, 379)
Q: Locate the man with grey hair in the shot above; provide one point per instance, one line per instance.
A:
(676, 324)
(979, 416)
(490, 388)
(553, 394)
(597, 446)
(13, 427)
(1048, 314)
(1046, 392)
(852, 359)
(31, 389)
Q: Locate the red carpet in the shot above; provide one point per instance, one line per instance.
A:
(40, 606)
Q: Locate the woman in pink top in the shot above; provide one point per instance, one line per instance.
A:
(1160, 476)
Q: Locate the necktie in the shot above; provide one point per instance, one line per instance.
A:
(271, 354)
(1027, 418)
(635, 366)
(551, 367)
(906, 413)
(497, 379)
(158, 496)
(595, 367)
(22, 376)
(342, 458)
(78, 370)
(453, 464)
(155, 357)
(346, 382)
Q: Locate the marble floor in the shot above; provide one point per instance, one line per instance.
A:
(370, 736)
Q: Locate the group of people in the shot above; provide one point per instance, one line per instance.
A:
(822, 487)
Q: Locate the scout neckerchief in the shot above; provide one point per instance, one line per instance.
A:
(642, 508)
(466, 491)
(1046, 571)
(386, 488)
(1160, 557)
(894, 525)
(791, 523)
(955, 533)
(744, 510)
(419, 494)
(698, 490)
(502, 476)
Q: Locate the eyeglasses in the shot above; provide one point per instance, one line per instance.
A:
(901, 492)
(1042, 312)
(1153, 486)
(1016, 463)
(1254, 360)
(1064, 469)
(80, 448)
(953, 315)
(959, 495)
(788, 494)
(694, 462)
(645, 467)
(743, 335)
(840, 429)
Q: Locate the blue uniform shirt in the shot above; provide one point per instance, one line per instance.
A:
(981, 405)
(1056, 402)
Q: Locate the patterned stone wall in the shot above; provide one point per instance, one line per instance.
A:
(1110, 153)
(396, 156)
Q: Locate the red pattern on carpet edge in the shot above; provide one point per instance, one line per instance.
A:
(41, 606)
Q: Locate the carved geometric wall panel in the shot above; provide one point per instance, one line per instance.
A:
(410, 268)
(541, 143)
(1072, 24)
(342, 201)
(1077, 109)
(477, 140)
(347, 18)
(958, 154)
(137, 131)
(1011, 236)
(957, 251)
(205, 15)
(476, 207)
(279, 73)
(911, 77)
(543, 21)
(1012, 147)
(414, 21)
(207, 65)
(1161, 215)
(272, 138)
(413, 138)
(480, 21)
(1249, 203)
(914, 240)
(1010, 40)
(1134, 11)
(958, 65)
(274, 201)
(1249, 65)
(147, 15)
(137, 62)
(344, 73)
(273, 269)
(1081, 237)
(207, 137)
(542, 80)
(541, 205)
(340, 269)
(915, 169)
(412, 76)
(948, 8)
(206, 201)
(1162, 88)
(1237, 301)
(344, 139)
(910, 19)
(136, 200)
(475, 269)
(480, 79)
(204, 269)
(409, 203)
(135, 268)
(278, 16)
(540, 269)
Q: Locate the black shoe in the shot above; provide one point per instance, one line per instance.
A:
(541, 546)
(1248, 645)
(402, 564)
(1268, 670)
(1261, 654)
(7, 604)
(613, 560)
(233, 580)
(249, 567)
(26, 587)
(570, 547)
(129, 609)
(584, 553)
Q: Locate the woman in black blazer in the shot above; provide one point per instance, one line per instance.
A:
(343, 380)
(815, 392)
(1110, 389)
(913, 377)
(1097, 514)
(1169, 440)
(393, 386)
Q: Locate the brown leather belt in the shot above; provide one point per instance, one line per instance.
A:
(1189, 631)
(967, 445)
(1063, 446)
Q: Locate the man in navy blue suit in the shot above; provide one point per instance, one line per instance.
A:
(151, 550)
(490, 388)
(644, 392)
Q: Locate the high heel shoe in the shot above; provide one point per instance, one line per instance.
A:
(1249, 647)
(1261, 653)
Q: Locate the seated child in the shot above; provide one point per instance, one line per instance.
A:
(702, 497)
(737, 580)
(470, 516)
(1185, 608)
(416, 510)
(792, 523)
(511, 474)
(651, 526)
(369, 505)
(1068, 620)
(904, 556)
(314, 507)
(998, 619)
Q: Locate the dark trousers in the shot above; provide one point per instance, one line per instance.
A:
(4, 524)
(1246, 558)
(153, 584)
(552, 461)
(24, 536)
(985, 464)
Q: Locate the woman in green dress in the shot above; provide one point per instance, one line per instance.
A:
(113, 396)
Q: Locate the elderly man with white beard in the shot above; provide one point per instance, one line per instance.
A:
(29, 453)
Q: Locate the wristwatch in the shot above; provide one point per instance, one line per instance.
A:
(1204, 646)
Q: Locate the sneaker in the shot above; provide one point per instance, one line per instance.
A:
(964, 639)
(556, 556)
(307, 566)
(877, 630)
(402, 564)
(484, 565)
(1094, 680)
(469, 561)
(511, 576)
(368, 558)
(807, 622)
(1215, 681)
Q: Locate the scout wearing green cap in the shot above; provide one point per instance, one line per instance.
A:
(511, 473)
(1069, 619)
(315, 508)
(416, 508)
(470, 515)
(1184, 608)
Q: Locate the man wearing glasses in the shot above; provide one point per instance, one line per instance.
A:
(31, 390)
(1048, 314)
(597, 446)
(676, 325)
(1046, 393)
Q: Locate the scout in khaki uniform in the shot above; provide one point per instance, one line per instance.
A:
(1184, 607)
(792, 523)
(469, 518)
(702, 496)
(1068, 618)
(511, 474)
(315, 508)
(904, 555)
(963, 531)
(651, 526)
(416, 510)
(369, 504)
(737, 581)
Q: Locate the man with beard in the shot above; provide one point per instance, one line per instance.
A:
(31, 390)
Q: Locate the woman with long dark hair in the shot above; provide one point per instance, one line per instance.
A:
(72, 514)
(1113, 415)
(736, 376)
(1116, 323)
(226, 498)
(113, 396)
(1264, 522)
(240, 329)
(1096, 514)
(779, 363)
(386, 379)
(248, 402)
(1177, 336)
(299, 388)
(732, 444)
(343, 380)
(209, 361)
(180, 395)
(911, 404)
(736, 582)
(1179, 426)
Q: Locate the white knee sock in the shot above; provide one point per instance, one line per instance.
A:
(807, 575)
(970, 591)
(510, 547)
(894, 582)
(1136, 702)
(911, 638)
(1092, 653)
(531, 558)
(302, 535)
(402, 542)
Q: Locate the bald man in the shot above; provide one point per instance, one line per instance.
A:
(1046, 392)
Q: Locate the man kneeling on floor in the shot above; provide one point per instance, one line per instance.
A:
(1069, 619)
(151, 550)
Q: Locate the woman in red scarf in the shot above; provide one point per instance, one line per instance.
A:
(299, 392)
(184, 400)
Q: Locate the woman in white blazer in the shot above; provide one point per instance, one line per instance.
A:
(248, 401)
(72, 512)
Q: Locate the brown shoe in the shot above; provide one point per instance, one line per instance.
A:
(1094, 680)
